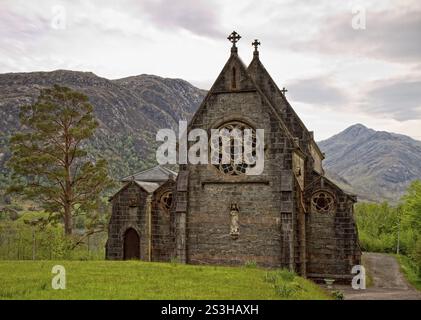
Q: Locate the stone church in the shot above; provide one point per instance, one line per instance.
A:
(290, 216)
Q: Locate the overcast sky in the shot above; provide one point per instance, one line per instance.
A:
(338, 70)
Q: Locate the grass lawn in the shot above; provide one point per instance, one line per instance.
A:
(410, 271)
(143, 280)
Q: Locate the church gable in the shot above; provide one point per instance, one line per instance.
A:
(242, 101)
(232, 80)
(227, 207)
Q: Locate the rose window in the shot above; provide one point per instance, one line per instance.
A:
(322, 202)
(240, 158)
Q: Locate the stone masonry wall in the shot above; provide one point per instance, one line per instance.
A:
(332, 239)
(129, 207)
(162, 226)
(265, 202)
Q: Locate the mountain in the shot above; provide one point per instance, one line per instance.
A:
(130, 111)
(376, 165)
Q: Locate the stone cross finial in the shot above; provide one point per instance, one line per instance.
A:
(234, 37)
(255, 44)
(284, 90)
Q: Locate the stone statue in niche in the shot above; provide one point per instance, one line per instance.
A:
(133, 202)
(235, 229)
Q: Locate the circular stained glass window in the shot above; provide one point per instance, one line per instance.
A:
(322, 202)
(230, 143)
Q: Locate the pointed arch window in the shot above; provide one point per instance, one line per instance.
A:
(234, 78)
(232, 149)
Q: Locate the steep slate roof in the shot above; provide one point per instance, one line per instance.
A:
(265, 82)
(149, 187)
(155, 174)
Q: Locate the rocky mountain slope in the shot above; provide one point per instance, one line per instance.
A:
(130, 111)
(375, 165)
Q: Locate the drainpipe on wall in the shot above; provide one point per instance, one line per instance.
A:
(302, 236)
(149, 215)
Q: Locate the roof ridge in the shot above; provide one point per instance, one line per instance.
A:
(138, 172)
(162, 169)
(278, 91)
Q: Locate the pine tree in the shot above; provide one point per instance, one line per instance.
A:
(49, 157)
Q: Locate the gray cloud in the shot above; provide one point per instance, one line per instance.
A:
(399, 99)
(389, 35)
(317, 91)
(197, 16)
(15, 27)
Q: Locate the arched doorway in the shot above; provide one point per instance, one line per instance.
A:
(131, 245)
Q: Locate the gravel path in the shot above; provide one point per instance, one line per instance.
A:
(388, 281)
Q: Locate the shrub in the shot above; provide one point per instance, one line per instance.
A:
(338, 295)
(287, 289)
(283, 282)
(250, 264)
(286, 275)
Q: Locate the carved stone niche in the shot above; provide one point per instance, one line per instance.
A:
(133, 202)
(234, 225)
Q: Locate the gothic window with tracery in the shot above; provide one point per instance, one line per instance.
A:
(234, 148)
(322, 202)
(166, 200)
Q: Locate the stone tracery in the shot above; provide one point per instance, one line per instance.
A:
(322, 202)
(234, 131)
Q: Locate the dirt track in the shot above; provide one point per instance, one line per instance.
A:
(388, 281)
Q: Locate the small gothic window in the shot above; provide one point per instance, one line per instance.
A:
(234, 78)
(322, 202)
(233, 149)
(166, 200)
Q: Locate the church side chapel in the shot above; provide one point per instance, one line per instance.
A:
(290, 216)
(141, 225)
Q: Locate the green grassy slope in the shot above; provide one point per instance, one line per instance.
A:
(142, 280)
(410, 271)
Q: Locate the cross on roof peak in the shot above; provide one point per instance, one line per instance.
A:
(255, 44)
(234, 37)
(284, 91)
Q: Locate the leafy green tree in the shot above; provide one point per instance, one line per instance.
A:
(412, 219)
(412, 205)
(49, 155)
